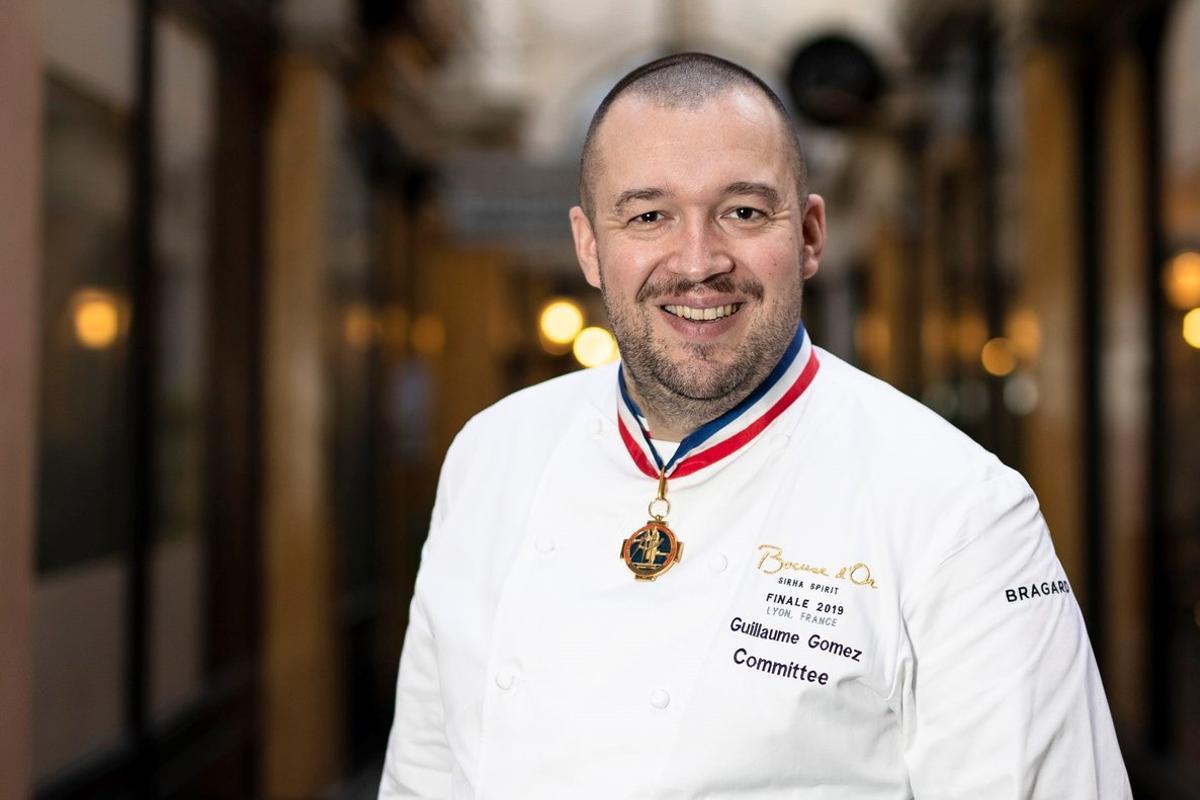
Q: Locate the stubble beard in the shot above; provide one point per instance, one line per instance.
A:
(693, 389)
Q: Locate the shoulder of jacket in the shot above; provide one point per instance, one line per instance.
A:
(906, 441)
(539, 412)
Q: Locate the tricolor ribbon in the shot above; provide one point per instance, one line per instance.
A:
(729, 432)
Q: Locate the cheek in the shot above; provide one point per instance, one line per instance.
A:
(626, 268)
(777, 265)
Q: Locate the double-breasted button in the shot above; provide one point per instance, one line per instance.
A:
(506, 679)
(659, 698)
(717, 563)
(779, 441)
(543, 544)
(595, 426)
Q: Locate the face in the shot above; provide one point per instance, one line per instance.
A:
(699, 243)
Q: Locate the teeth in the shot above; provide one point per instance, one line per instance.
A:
(687, 312)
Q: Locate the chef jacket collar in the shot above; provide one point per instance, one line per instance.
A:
(728, 433)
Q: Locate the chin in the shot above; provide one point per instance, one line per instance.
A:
(701, 381)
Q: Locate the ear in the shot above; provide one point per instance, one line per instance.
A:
(585, 246)
(813, 226)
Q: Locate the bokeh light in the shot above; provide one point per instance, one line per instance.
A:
(1020, 394)
(997, 357)
(595, 346)
(1181, 280)
(560, 321)
(1191, 328)
(96, 317)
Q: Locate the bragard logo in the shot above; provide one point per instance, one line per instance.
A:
(1032, 590)
(772, 561)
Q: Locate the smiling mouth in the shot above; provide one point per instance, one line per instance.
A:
(703, 314)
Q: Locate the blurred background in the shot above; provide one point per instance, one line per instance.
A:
(262, 258)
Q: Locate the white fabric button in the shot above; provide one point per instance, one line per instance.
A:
(779, 441)
(595, 426)
(544, 545)
(718, 562)
(505, 680)
(659, 698)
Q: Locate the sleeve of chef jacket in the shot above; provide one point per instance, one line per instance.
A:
(417, 764)
(1004, 699)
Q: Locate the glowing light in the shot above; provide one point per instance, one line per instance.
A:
(1181, 280)
(1191, 328)
(560, 321)
(998, 357)
(428, 335)
(96, 317)
(359, 326)
(1024, 330)
(595, 346)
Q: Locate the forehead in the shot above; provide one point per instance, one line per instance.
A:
(734, 136)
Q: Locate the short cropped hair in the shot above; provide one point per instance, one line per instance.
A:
(684, 80)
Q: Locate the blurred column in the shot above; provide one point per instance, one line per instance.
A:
(1124, 366)
(20, 160)
(302, 747)
(1051, 290)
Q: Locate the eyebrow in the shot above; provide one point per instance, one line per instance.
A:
(762, 190)
(630, 195)
(765, 191)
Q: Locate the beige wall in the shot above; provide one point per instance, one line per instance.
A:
(303, 741)
(20, 183)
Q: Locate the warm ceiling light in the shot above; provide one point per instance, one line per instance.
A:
(997, 357)
(96, 317)
(1191, 328)
(560, 321)
(1181, 280)
(595, 346)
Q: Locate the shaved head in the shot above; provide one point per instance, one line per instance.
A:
(685, 80)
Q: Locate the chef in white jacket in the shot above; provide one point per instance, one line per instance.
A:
(732, 566)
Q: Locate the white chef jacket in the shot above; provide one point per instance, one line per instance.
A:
(868, 605)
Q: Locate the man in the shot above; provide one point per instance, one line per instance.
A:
(831, 592)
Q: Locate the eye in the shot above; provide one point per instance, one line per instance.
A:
(649, 217)
(747, 214)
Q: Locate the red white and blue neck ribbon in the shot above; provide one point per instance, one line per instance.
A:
(729, 432)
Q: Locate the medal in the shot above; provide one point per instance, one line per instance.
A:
(653, 548)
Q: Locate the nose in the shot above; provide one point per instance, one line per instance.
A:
(701, 251)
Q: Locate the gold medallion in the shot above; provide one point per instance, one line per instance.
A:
(653, 548)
